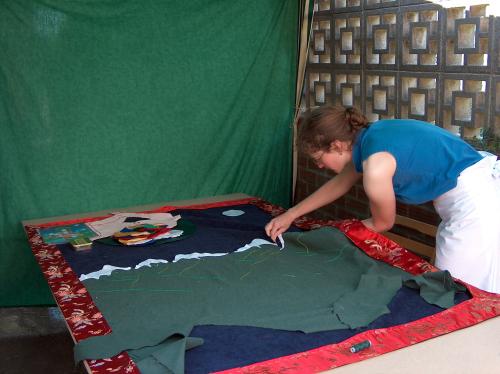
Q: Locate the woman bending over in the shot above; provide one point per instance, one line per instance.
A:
(413, 162)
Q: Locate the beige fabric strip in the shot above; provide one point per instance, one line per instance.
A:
(305, 33)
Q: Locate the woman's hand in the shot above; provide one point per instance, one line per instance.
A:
(279, 225)
(326, 194)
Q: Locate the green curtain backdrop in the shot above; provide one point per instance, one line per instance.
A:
(108, 104)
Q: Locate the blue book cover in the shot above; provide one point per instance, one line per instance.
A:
(64, 234)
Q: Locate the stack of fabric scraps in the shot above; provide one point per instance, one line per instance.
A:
(118, 221)
(142, 234)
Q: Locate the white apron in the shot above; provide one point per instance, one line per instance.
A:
(468, 238)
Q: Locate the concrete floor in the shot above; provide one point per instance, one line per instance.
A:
(35, 340)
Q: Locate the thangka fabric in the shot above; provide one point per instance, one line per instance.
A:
(120, 220)
(320, 281)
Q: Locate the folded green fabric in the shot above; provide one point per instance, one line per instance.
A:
(436, 288)
(166, 357)
(319, 281)
(356, 307)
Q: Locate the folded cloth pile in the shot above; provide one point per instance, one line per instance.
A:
(141, 234)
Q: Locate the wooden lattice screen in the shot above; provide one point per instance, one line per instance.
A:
(403, 59)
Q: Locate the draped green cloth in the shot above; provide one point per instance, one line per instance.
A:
(108, 104)
(320, 281)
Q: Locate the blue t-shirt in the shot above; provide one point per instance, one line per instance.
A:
(429, 159)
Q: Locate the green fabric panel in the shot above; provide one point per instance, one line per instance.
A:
(319, 281)
(107, 104)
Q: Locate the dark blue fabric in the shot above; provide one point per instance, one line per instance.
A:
(215, 233)
(228, 347)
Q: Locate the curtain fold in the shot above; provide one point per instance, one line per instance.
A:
(305, 28)
(108, 104)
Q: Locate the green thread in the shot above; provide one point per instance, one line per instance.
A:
(123, 279)
(243, 276)
(337, 256)
(188, 268)
(302, 243)
(164, 269)
(249, 253)
(185, 276)
(266, 258)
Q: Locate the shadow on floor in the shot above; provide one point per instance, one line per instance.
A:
(35, 340)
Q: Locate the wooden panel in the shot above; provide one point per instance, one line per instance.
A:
(411, 223)
(421, 249)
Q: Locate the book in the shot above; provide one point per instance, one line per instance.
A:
(81, 243)
(64, 234)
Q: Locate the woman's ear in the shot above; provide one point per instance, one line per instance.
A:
(335, 146)
(339, 146)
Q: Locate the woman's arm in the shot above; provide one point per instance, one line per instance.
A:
(378, 171)
(329, 192)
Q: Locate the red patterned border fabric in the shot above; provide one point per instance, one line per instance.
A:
(85, 320)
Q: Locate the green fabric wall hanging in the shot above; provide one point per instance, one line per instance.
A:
(108, 104)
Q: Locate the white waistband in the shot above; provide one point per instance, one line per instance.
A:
(473, 178)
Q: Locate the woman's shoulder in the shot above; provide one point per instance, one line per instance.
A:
(400, 122)
(401, 135)
(407, 127)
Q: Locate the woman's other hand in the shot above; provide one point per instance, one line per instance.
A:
(279, 225)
